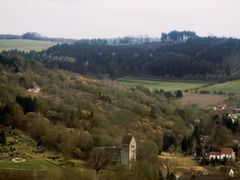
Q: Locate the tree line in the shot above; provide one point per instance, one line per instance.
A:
(195, 58)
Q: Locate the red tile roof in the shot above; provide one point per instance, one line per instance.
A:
(222, 151)
(226, 150)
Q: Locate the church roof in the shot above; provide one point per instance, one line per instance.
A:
(127, 139)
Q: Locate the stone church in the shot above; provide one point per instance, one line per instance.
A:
(128, 150)
(126, 153)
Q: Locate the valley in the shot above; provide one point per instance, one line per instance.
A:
(63, 107)
(119, 90)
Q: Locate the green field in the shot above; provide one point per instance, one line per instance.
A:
(227, 87)
(28, 165)
(165, 85)
(25, 45)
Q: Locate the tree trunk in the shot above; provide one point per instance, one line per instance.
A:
(97, 172)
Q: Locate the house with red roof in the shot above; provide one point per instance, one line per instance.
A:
(214, 155)
(223, 153)
(228, 153)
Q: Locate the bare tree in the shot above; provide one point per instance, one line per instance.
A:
(98, 159)
(231, 64)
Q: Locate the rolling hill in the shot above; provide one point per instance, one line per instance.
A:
(199, 59)
(227, 87)
(25, 45)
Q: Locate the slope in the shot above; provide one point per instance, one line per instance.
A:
(84, 112)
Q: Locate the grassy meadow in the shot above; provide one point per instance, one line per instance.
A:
(227, 87)
(165, 85)
(25, 45)
(190, 98)
(29, 164)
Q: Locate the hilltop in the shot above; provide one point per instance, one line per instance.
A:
(29, 42)
(35, 36)
(25, 45)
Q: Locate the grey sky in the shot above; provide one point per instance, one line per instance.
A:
(114, 18)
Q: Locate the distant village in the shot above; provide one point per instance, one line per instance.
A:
(231, 117)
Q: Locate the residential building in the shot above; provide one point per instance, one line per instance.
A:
(223, 153)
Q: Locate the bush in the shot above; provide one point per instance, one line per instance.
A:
(220, 92)
(178, 94)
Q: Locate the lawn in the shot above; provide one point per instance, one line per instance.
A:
(227, 87)
(25, 45)
(165, 85)
(39, 164)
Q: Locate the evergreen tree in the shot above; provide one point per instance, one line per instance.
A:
(2, 137)
(187, 145)
(184, 145)
(168, 140)
(28, 104)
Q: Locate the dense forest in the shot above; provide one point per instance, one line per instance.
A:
(177, 56)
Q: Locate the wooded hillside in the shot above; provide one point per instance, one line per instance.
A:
(73, 111)
(197, 58)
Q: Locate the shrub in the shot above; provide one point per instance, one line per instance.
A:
(178, 94)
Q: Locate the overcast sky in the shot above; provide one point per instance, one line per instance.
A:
(114, 18)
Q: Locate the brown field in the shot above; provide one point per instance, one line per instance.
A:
(201, 100)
